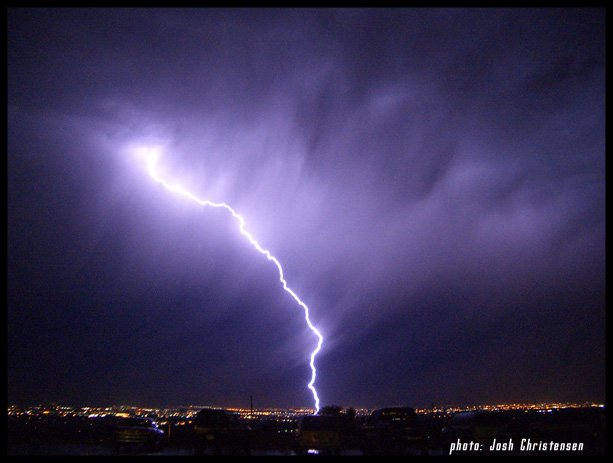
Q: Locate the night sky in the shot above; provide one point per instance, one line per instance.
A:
(432, 181)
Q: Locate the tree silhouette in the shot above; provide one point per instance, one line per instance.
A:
(331, 410)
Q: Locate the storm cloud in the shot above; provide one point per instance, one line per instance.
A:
(432, 181)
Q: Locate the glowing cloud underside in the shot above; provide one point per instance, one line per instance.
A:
(152, 159)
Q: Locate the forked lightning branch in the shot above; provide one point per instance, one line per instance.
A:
(151, 156)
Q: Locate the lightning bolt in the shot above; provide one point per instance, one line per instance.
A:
(151, 156)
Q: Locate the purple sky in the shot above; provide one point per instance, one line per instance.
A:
(431, 180)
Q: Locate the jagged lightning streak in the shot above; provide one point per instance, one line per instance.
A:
(151, 156)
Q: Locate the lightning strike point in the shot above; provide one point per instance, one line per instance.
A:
(151, 156)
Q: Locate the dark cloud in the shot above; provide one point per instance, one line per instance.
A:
(431, 179)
